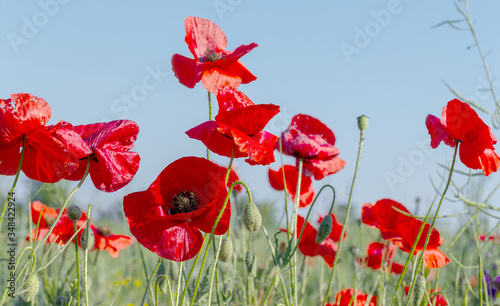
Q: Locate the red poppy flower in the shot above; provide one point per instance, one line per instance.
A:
(112, 165)
(309, 139)
(113, 244)
(344, 297)
(50, 154)
(336, 228)
(383, 216)
(308, 246)
(185, 199)
(211, 64)
(461, 124)
(64, 229)
(402, 230)
(239, 123)
(379, 253)
(291, 174)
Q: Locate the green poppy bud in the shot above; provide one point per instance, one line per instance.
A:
(363, 122)
(325, 228)
(87, 245)
(226, 250)
(74, 213)
(31, 285)
(420, 289)
(252, 218)
(276, 278)
(162, 283)
(251, 263)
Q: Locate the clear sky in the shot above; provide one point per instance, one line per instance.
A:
(96, 61)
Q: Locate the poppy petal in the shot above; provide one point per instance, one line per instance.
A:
(203, 35)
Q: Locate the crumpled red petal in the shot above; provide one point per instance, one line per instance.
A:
(215, 78)
(322, 168)
(202, 35)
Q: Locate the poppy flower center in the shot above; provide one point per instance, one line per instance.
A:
(184, 202)
(211, 56)
(104, 231)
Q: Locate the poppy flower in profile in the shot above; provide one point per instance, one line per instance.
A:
(379, 254)
(64, 229)
(308, 246)
(185, 199)
(112, 165)
(292, 175)
(50, 153)
(212, 64)
(490, 237)
(111, 243)
(310, 139)
(240, 123)
(402, 230)
(344, 297)
(461, 125)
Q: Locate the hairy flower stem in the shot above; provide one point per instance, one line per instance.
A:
(293, 263)
(214, 268)
(209, 118)
(179, 278)
(226, 201)
(85, 257)
(77, 266)
(150, 280)
(421, 257)
(346, 218)
(41, 242)
(192, 269)
(15, 182)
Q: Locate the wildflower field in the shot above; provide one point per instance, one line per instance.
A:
(197, 233)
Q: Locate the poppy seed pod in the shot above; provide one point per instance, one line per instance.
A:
(325, 228)
(420, 289)
(276, 278)
(31, 286)
(162, 284)
(226, 250)
(363, 122)
(74, 213)
(252, 218)
(88, 245)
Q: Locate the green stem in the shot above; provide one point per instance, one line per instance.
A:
(169, 290)
(77, 265)
(41, 242)
(85, 257)
(179, 278)
(226, 201)
(192, 269)
(428, 236)
(346, 218)
(149, 281)
(293, 263)
(15, 181)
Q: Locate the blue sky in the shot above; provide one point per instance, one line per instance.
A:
(96, 61)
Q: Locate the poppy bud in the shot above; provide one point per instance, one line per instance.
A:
(420, 289)
(31, 286)
(251, 264)
(363, 122)
(88, 245)
(60, 300)
(74, 213)
(162, 284)
(226, 250)
(252, 218)
(325, 229)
